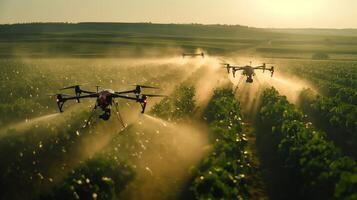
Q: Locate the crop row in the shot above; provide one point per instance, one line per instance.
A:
(339, 119)
(317, 168)
(339, 93)
(337, 80)
(226, 172)
(341, 73)
(34, 157)
(178, 106)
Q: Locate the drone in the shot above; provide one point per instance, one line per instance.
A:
(105, 99)
(193, 54)
(248, 70)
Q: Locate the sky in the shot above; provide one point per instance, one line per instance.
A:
(255, 13)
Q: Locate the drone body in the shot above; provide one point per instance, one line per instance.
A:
(193, 55)
(105, 99)
(247, 70)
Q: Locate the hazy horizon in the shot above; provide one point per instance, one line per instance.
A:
(192, 23)
(328, 14)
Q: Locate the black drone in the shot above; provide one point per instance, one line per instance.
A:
(193, 55)
(105, 98)
(247, 70)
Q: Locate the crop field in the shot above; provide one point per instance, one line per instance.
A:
(213, 136)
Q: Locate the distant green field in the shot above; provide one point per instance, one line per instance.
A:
(126, 39)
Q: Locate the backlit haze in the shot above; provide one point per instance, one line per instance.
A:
(256, 13)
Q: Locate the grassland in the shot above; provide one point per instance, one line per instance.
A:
(125, 39)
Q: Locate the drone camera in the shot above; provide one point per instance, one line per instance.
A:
(249, 79)
(106, 115)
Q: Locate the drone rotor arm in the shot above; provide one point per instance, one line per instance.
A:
(126, 92)
(142, 100)
(63, 99)
(237, 68)
(87, 92)
(125, 97)
(259, 67)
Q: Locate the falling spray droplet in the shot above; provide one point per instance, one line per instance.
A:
(149, 170)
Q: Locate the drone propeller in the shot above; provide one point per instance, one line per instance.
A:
(147, 86)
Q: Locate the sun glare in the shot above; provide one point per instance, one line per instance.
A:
(292, 8)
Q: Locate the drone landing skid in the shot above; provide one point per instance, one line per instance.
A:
(90, 117)
(240, 80)
(120, 119)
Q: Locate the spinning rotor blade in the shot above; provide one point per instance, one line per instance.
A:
(137, 90)
(64, 95)
(70, 87)
(154, 95)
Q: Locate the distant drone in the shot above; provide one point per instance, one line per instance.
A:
(105, 98)
(248, 70)
(193, 54)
